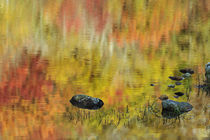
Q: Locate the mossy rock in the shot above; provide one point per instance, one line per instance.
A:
(172, 109)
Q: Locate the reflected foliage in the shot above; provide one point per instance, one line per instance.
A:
(108, 49)
(27, 81)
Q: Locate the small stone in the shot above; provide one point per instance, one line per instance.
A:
(176, 96)
(171, 86)
(187, 70)
(176, 78)
(179, 93)
(86, 102)
(152, 85)
(178, 83)
(163, 97)
(186, 75)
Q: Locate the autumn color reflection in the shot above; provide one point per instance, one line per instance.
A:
(112, 50)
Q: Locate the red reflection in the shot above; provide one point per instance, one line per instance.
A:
(96, 10)
(26, 81)
(69, 17)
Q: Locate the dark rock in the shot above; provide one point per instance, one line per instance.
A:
(152, 85)
(86, 102)
(179, 93)
(201, 86)
(178, 83)
(172, 109)
(207, 74)
(187, 70)
(163, 97)
(176, 96)
(171, 86)
(176, 78)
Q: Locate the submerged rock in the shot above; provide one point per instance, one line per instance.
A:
(176, 78)
(86, 102)
(187, 70)
(178, 83)
(172, 109)
(186, 75)
(171, 86)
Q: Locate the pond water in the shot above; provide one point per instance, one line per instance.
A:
(109, 49)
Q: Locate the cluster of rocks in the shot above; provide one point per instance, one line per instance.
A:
(186, 74)
(170, 108)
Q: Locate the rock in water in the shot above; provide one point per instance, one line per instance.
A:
(186, 75)
(178, 83)
(176, 78)
(179, 93)
(207, 74)
(171, 86)
(172, 109)
(163, 97)
(86, 102)
(187, 71)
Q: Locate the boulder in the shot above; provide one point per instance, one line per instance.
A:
(207, 74)
(172, 109)
(86, 102)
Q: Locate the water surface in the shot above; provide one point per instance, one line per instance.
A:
(109, 49)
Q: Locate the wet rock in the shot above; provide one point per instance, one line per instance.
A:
(172, 109)
(171, 86)
(186, 75)
(176, 78)
(179, 93)
(163, 97)
(178, 83)
(152, 85)
(176, 96)
(201, 86)
(207, 74)
(187, 70)
(86, 102)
